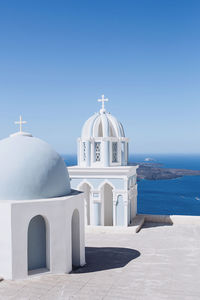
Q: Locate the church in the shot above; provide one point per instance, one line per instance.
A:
(41, 217)
(103, 174)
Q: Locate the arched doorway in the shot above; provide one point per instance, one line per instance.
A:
(37, 245)
(120, 211)
(107, 200)
(87, 190)
(75, 239)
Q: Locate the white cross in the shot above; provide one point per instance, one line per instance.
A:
(20, 122)
(103, 100)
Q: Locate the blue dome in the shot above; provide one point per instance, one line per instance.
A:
(31, 169)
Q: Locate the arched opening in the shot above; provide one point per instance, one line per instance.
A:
(120, 211)
(107, 207)
(87, 191)
(37, 245)
(75, 239)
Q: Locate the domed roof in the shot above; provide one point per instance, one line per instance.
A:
(31, 169)
(102, 124)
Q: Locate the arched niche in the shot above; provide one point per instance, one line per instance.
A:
(107, 207)
(75, 234)
(38, 245)
(86, 188)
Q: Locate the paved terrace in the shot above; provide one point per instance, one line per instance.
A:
(160, 262)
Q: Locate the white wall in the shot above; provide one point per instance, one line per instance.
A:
(58, 213)
(5, 240)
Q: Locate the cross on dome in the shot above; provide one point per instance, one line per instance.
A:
(103, 100)
(20, 122)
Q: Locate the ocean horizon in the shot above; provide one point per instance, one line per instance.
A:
(180, 196)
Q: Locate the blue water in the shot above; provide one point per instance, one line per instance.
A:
(174, 196)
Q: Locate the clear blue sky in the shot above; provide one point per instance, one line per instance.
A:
(58, 57)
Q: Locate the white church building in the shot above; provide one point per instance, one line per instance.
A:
(41, 217)
(103, 174)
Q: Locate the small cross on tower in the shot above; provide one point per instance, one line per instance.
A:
(103, 100)
(20, 122)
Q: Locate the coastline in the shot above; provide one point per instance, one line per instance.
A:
(156, 172)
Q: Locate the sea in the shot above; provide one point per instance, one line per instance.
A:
(180, 196)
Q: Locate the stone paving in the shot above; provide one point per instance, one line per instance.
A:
(160, 262)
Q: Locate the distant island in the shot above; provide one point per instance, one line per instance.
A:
(153, 171)
(149, 159)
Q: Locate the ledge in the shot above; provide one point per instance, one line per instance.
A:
(171, 219)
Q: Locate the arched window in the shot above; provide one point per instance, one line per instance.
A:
(114, 152)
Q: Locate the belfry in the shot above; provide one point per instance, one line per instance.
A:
(103, 174)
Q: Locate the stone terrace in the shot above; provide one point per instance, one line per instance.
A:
(160, 262)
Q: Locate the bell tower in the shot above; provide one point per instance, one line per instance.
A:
(102, 142)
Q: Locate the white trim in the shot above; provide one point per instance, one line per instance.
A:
(102, 169)
(82, 176)
(99, 177)
(110, 171)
